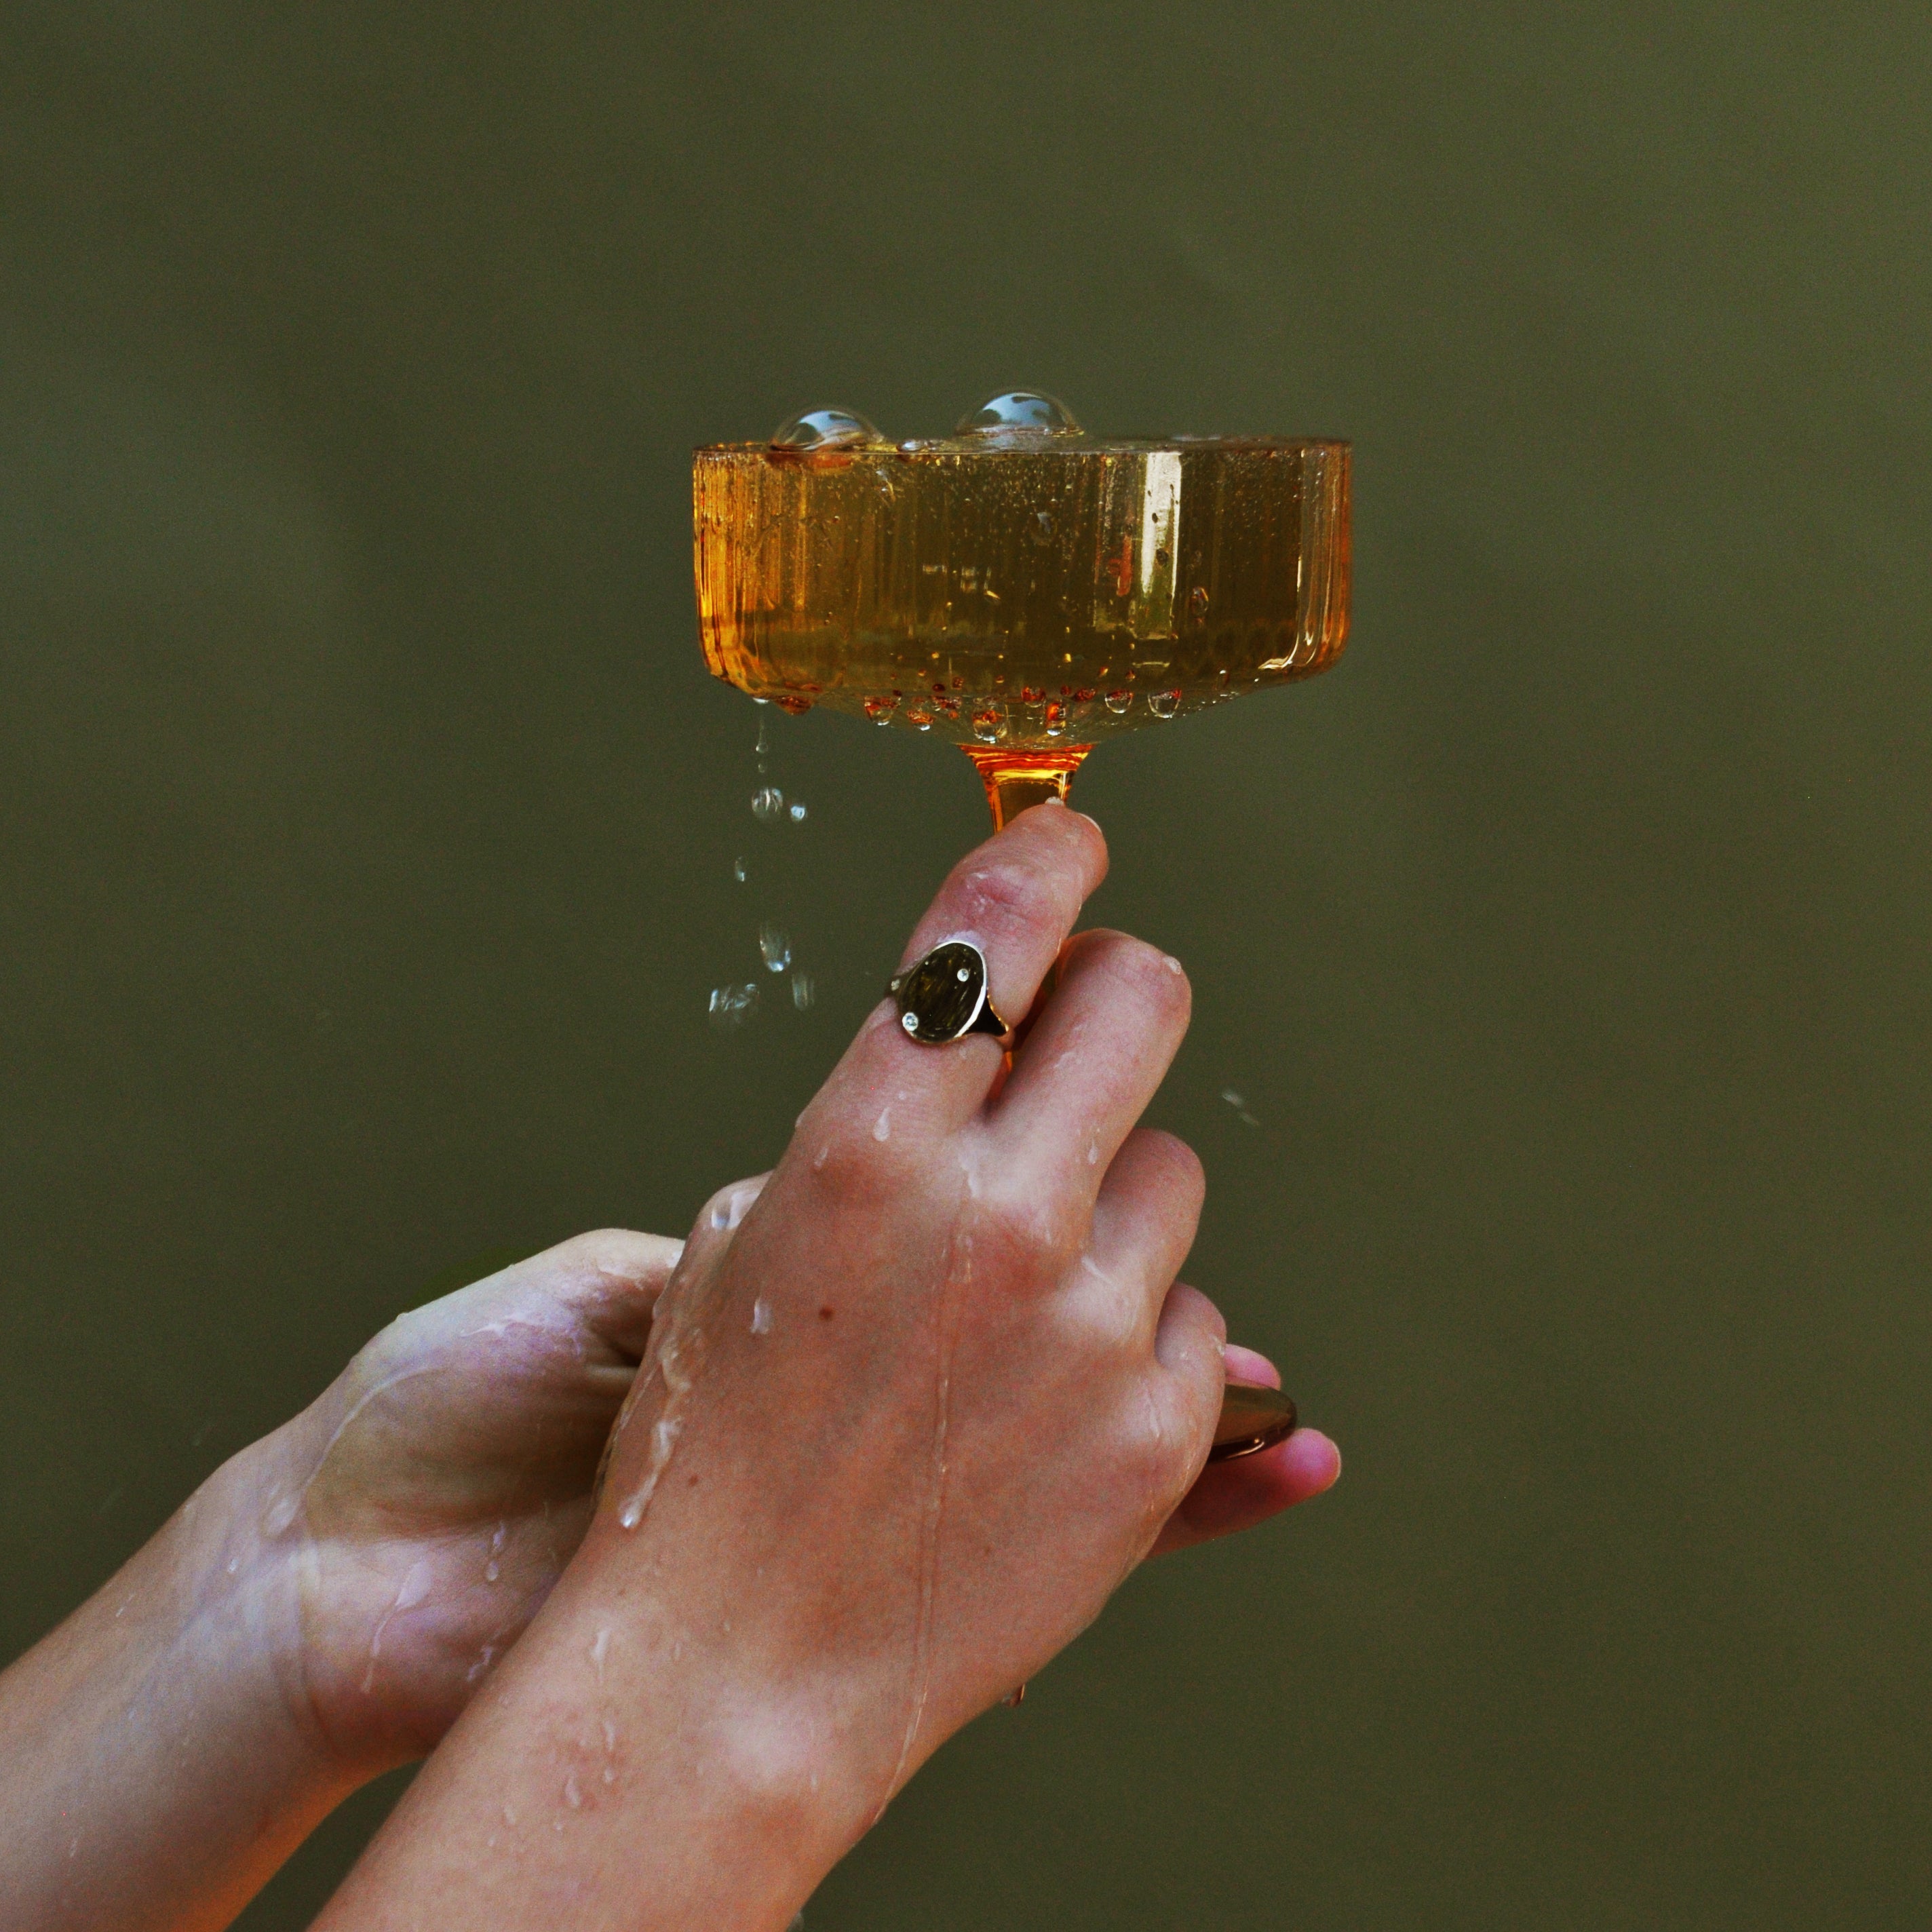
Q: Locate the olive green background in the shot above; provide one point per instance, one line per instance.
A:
(368, 823)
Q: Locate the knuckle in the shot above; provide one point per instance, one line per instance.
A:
(1028, 1242)
(1005, 895)
(1175, 1163)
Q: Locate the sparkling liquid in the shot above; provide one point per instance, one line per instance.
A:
(1021, 595)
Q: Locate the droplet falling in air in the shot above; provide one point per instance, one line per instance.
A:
(761, 1316)
(1119, 702)
(731, 1006)
(738, 871)
(796, 812)
(1017, 414)
(764, 744)
(767, 802)
(803, 991)
(1240, 1105)
(1163, 704)
(774, 947)
(824, 429)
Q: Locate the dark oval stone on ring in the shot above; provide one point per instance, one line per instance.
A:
(943, 997)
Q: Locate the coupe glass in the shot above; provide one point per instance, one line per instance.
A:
(1025, 590)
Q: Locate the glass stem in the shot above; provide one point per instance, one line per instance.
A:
(1015, 780)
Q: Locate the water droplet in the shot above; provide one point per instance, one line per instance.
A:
(921, 717)
(767, 801)
(731, 1006)
(234, 1564)
(764, 743)
(1118, 702)
(497, 1541)
(738, 871)
(610, 1777)
(1032, 694)
(774, 947)
(796, 813)
(761, 1316)
(600, 1649)
(880, 709)
(1015, 413)
(910, 1021)
(1056, 718)
(281, 1515)
(803, 991)
(1042, 527)
(989, 723)
(882, 1128)
(573, 1794)
(794, 706)
(1093, 1153)
(1197, 599)
(491, 1571)
(1163, 704)
(825, 429)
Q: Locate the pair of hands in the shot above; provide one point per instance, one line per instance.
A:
(909, 1409)
(931, 1390)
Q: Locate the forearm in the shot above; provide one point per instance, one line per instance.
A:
(630, 1767)
(156, 1765)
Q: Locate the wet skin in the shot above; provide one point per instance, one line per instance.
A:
(912, 1405)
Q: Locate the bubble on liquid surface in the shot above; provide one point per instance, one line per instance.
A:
(731, 1006)
(1119, 702)
(1163, 704)
(989, 723)
(774, 947)
(1016, 413)
(825, 429)
(767, 804)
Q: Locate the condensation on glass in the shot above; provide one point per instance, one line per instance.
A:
(1019, 586)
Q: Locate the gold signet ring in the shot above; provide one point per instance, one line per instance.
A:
(943, 997)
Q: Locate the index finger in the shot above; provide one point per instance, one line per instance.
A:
(1015, 898)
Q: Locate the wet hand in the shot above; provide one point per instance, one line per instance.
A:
(938, 1378)
(427, 1502)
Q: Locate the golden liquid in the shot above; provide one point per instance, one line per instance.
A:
(1026, 594)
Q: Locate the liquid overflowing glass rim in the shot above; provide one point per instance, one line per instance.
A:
(1022, 442)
